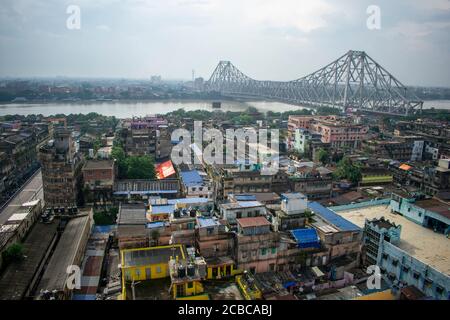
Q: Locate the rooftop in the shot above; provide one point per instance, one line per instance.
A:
(241, 204)
(55, 275)
(253, 222)
(17, 276)
(192, 200)
(207, 222)
(98, 164)
(436, 206)
(153, 255)
(293, 195)
(427, 246)
(383, 223)
(132, 214)
(332, 217)
(306, 237)
(191, 178)
(168, 208)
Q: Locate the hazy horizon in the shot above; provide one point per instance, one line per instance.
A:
(267, 40)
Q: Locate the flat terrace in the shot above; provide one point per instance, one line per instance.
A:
(68, 247)
(31, 190)
(18, 276)
(424, 244)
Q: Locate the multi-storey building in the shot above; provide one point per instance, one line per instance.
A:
(256, 245)
(232, 211)
(215, 244)
(375, 232)
(61, 170)
(314, 182)
(429, 179)
(146, 136)
(341, 237)
(99, 177)
(231, 179)
(339, 132)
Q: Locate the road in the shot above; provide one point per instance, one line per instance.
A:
(32, 190)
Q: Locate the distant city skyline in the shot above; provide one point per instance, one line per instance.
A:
(267, 40)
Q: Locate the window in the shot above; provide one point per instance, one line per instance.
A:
(190, 285)
(439, 290)
(137, 273)
(158, 269)
(416, 275)
(238, 215)
(274, 250)
(263, 251)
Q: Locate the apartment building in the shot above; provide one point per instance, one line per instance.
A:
(99, 177)
(147, 135)
(256, 245)
(61, 170)
(339, 132)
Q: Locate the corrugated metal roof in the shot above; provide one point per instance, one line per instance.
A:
(193, 200)
(191, 178)
(169, 208)
(332, 217)
(245, 197)
(249, 204)
(156, 224)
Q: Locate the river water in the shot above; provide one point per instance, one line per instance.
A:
(122, 109)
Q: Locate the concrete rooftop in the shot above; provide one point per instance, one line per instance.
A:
(422, 243)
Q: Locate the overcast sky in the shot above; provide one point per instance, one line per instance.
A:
(266, 39)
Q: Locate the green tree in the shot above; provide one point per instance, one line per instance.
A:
(97, 144)
(13, 253)
(140, 167)
(346, 169)
(118, 154)
(323, 156)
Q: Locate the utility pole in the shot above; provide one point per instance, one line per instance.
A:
(133, 293)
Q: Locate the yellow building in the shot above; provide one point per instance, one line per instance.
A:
(186, 276)
(248, 287)
(376, 177)
(149, 263)
(220, 268)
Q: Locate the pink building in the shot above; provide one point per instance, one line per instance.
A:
(257, 245)
(339, 132)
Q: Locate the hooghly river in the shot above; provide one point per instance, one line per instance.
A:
(122, 109)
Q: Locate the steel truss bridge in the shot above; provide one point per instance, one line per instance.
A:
(353, 81)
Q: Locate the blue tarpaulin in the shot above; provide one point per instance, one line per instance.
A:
(289, 284)
(306, 238)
